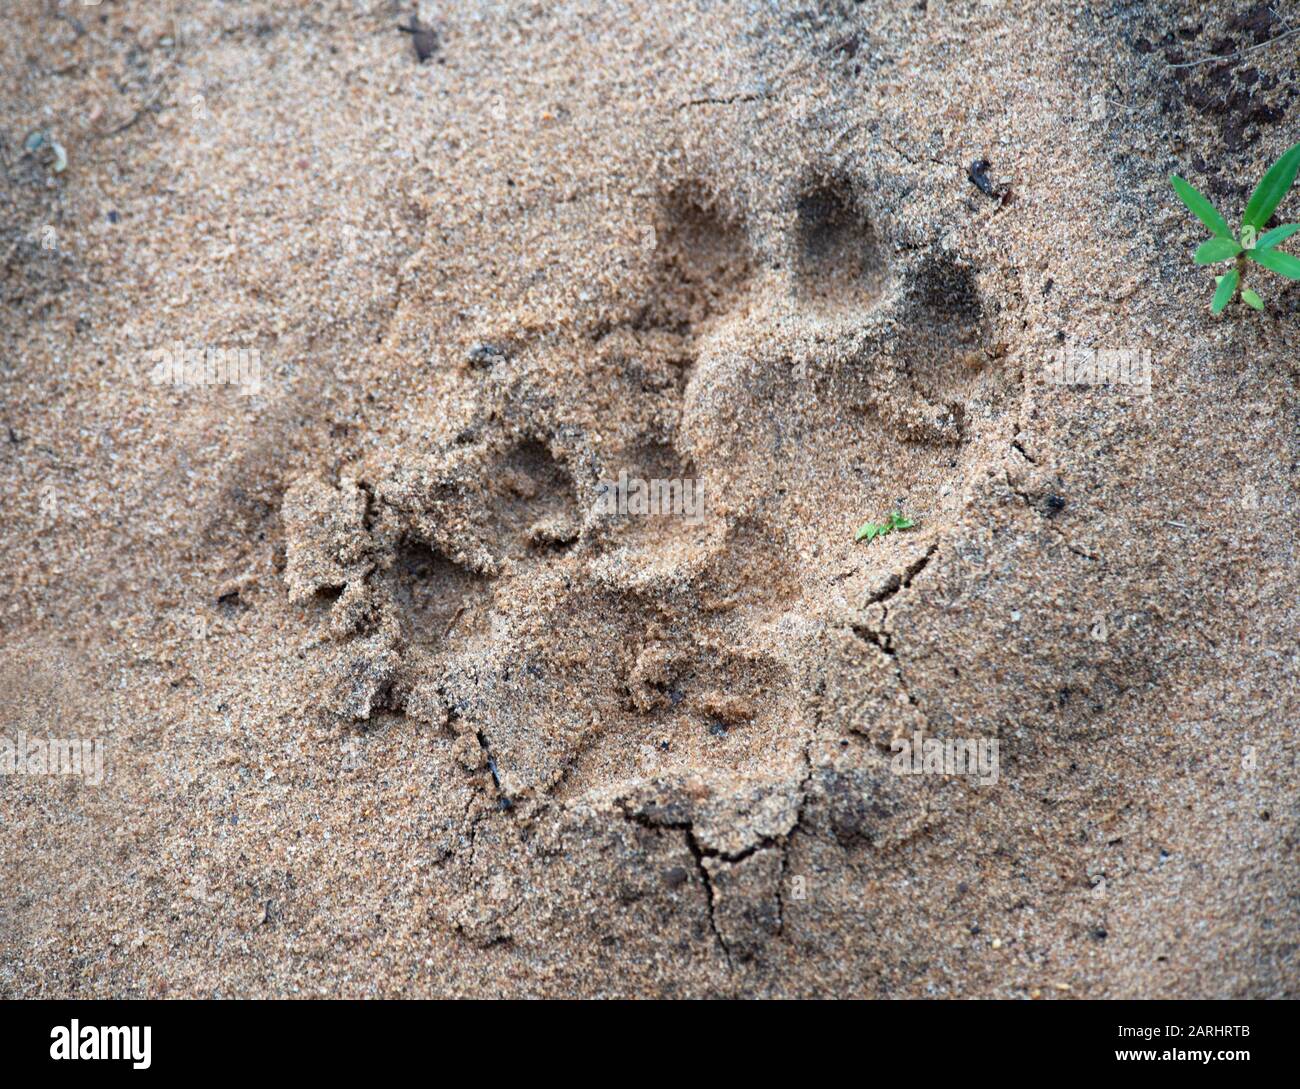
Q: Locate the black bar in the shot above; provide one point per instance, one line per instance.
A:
(225, 1039)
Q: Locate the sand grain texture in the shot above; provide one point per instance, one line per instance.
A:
(394, 708)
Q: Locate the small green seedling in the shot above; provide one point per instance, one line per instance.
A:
(1251, 246)
(871, 530)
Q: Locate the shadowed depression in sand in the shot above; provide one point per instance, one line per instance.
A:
(401, 696)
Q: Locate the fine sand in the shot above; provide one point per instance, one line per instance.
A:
(394, 702)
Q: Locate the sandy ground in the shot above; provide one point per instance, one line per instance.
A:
(391, 706)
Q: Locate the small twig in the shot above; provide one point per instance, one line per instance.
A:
(147, 105)
(1239, 53)
(134, 118)
(72, 21)
(452, 623)
(776, 84)
(748, 96)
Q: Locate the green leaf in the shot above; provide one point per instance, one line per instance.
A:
(1276, 235)
(1278, 261)
(1201, 208)
(1272, 188)
(871, 530)
(1251, 299)
(1216, 249)
(1227, 288)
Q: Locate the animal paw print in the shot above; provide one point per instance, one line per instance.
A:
(848, 375)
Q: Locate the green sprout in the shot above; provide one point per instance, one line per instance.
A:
(1251, 246)
(872, 530)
